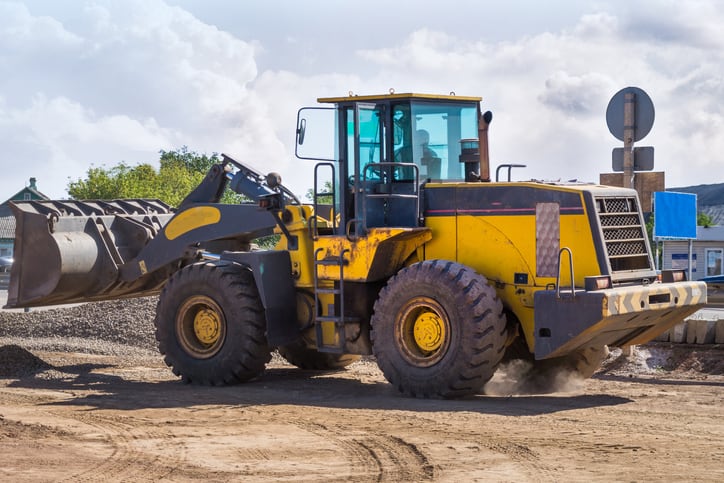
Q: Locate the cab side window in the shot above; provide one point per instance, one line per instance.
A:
(371, 135)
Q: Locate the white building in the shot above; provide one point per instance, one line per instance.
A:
(707, 253)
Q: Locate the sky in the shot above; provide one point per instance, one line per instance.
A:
(94, 83)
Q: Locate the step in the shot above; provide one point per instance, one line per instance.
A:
(339, 320)
(331, 261)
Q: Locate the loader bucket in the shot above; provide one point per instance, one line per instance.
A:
(71, 251)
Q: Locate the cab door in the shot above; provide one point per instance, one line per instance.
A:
(365, 150)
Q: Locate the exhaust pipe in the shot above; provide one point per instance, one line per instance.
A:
(483, 123)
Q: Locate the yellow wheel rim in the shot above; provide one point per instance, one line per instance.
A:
(207, 326)
(200, 327)
(429, 331)
(422, 331)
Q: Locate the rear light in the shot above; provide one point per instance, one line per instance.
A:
(597, 283)
(670, 276)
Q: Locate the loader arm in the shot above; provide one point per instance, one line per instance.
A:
(191, 230)
(80, 251)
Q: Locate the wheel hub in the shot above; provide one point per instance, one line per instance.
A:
(200, 326)
(429, 331)
(207, 326)
(422, 331)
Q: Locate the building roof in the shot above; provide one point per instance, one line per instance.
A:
(5, 211)
(7, 227)
(712, 233)
(32, 189)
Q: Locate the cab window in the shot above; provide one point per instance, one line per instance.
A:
(429, 136)
(371, 135)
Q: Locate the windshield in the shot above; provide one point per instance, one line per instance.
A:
(428, 134)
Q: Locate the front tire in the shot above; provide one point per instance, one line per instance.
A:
(438, 330)
(210, 324)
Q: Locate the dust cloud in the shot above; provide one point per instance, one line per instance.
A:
(520, 377)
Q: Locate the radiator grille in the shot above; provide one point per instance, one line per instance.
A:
(624, 234)
(616, 220)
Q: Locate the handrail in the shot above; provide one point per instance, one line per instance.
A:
(558, 273)
(316, 194)
(510, 167)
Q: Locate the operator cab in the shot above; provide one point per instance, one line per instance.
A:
(386, 148)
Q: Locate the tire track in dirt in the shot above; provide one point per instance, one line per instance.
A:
(528, 460)
(379, 457)
(127, 461)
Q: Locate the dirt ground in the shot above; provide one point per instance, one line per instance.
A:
(79, 417)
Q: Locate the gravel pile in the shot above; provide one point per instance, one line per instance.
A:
(112, 328)
(17, 362)
(122, 328)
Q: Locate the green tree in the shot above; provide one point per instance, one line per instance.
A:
(179, 173)
(702, 219)
(324, 197)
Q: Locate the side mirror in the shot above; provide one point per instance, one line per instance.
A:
(318, 142)
(301, 129)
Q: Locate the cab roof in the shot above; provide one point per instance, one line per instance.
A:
(386, 97)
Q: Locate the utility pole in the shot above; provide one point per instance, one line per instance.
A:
(629, 127)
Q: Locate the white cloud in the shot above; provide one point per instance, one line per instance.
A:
(21, 31)
(549, 91)
(598, 24)
(111, 81)
(129, 79)
(575, 95)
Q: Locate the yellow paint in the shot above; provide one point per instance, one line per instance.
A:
(498, 247)
(302, 267)
(191, 219)
(330, 337)
(441, 247)
(376, 256)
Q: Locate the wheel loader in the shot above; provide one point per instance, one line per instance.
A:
(407, 251)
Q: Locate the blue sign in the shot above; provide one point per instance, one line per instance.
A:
(674, 216)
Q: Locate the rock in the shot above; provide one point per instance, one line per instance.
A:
(704, 331)
(719, 332)
(677, 333)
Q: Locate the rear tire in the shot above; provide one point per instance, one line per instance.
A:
(210, 324)
(438, 330)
